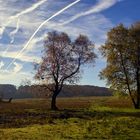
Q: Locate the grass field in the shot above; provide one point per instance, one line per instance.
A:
(81, 118)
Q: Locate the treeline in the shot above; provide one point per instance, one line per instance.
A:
(38, 91)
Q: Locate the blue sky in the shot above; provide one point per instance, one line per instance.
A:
(19, 19)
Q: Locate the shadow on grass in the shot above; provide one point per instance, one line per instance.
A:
(101, 112)
(37, 116)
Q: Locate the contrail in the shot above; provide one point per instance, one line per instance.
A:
(30, 9)
(100, 6)
(56, 14)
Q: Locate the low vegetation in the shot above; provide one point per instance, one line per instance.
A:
(78, 118)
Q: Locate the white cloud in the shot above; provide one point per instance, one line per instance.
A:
(17, 67)
(16, 16)
(98, 25)
(10, 77)
(98, 20)
(23, 57)
(1, 64)
(40, 26)
(93, 23)
(12, 34)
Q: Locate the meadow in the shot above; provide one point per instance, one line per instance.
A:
(80, 118)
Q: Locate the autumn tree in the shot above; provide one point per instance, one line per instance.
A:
(134, 39)
(123, 61)
(62, 60)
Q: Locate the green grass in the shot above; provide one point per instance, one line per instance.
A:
(74, 128)
(91, 118)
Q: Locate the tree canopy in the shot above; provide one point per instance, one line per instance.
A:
(62, 60)
(122, 51)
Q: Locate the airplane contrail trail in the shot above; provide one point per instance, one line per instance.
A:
(100, 6)
(30, 9)
(56, 14)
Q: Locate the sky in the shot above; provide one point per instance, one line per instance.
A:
(25, 23)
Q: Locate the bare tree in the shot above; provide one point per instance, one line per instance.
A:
(62, 60)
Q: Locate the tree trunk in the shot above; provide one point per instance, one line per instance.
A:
(138, 79)
(127, 80)
(53, 102)
(138, 90)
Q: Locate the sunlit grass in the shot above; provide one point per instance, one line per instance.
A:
(74, 128)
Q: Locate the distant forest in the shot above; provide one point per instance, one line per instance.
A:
(36, 91)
